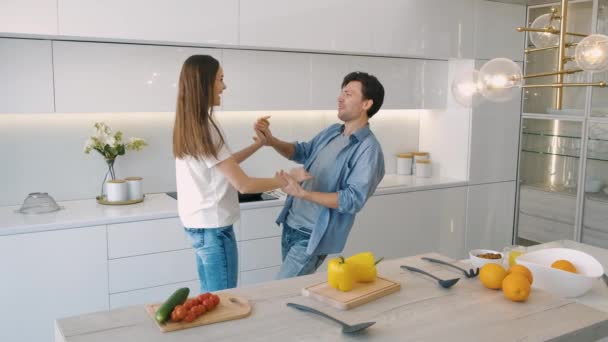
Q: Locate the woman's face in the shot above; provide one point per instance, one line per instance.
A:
(218, 87)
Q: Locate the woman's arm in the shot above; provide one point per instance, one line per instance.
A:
(245, 184)
(245, 153)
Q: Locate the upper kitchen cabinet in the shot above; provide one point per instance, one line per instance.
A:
(190, 21)
(26, 76)
(28, 16)
(263, 80)
(327, 73)
(100, 77)
(495, 30)
(415, 28)
(338, 25)
(408, 83)
(435, 29)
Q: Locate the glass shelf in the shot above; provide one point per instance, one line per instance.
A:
(546, 134)
(565, 155)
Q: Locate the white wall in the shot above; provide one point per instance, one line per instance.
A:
(44, 152)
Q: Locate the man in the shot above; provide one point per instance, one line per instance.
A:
(346, 163)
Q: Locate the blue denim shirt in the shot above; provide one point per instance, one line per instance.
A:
(358, 170)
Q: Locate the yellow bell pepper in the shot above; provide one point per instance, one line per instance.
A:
(364, 266)
(340, 274)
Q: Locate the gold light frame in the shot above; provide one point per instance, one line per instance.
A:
(562, 59)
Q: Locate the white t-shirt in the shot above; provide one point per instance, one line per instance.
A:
(205, 197)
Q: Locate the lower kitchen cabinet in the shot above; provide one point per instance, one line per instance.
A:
(157, 294)
(50, 275)
(411, 223)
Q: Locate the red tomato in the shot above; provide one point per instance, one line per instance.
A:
(180, 312)
(174, 317)
(216, 299)
(189, 318)
(208, 303)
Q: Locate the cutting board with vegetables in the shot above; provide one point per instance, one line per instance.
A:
(230, 307)
(360, 294)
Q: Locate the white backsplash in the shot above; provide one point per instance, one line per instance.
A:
(44, 152)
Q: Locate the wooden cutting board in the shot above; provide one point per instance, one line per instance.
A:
(360, 294)
(230, 307)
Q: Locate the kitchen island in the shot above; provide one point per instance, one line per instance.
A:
(421, 311)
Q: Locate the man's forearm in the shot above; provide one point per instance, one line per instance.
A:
(326, 199)
(245, 153)
(284, 148)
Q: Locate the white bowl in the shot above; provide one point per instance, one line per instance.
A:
(479, 262)
(560, 282)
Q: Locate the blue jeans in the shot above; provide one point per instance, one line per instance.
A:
(295, 260)
(216, 257)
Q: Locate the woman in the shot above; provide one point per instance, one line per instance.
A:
(208, 174)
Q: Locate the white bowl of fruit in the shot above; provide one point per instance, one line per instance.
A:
(562, 271)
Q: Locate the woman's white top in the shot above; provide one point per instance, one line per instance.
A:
(205, 198)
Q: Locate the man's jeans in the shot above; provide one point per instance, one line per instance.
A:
(295, 260)
(216, 257)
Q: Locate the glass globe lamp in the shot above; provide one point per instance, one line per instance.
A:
(500, 79)
(466, 89)
(591, 53)
(545, 39)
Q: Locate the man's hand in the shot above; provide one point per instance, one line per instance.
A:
(262, 128)
(292, 188)
(299, 174)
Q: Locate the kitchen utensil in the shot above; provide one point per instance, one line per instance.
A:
(360, 294)
(38, 203)
(479, 262)
(230, 307)
(471, 273)
(562, 283)
(346, 328)
(444, 283)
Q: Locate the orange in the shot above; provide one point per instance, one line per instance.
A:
(564, 265)
(516, 287)
(521, 269)
(492, 275)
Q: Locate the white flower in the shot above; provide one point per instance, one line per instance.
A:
(88, 145)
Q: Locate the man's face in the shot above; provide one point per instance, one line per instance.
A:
(351, 105)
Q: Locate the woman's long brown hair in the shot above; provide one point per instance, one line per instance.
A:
(195, 132)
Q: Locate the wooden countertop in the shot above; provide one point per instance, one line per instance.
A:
(421, 311)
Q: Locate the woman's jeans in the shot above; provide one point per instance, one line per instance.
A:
(216, 257)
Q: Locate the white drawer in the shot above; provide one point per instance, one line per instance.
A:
(150, 270)
(145, 237)
(261, 253)
(259, 223)
(151, 295)
(259, 276)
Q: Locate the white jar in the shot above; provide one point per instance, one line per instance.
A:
(424, 168)
(116, 190)
(134, 188)
(418, 156)
(404, 164)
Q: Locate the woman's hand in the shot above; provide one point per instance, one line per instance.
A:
(262, 129)
(299, 174)
(292, 188)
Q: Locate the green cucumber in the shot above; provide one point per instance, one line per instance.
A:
(177, 298)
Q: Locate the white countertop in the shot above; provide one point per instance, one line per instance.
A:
(83, 213)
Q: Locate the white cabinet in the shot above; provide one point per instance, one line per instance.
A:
(494, 141)
(259, 223)
(28, 16)
(411, 223)
(408, 83)
(434, 29)
(145, 237)
(195, 21)
(157, 294)
(101, 77)
(326, 75)
(261, 80)
(260, 253)
(495, 30)
(338, 25)
(415, 28)
(258, 276)
(490, 213)
(51, 275)
(26, 75)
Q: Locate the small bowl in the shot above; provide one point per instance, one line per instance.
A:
(38, 203)
(560, 282)
(479, 262)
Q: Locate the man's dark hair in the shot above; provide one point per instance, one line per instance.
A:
(371, 88)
